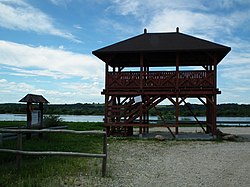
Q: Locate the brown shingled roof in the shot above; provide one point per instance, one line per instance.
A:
(159, 49)
(32, 98)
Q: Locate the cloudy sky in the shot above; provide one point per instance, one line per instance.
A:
(46, 45)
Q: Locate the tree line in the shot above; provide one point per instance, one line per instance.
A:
(226, 110)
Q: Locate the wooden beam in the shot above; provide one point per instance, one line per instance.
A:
(194, 116)
(159, 114)
(204, 103)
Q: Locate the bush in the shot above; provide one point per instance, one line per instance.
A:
(52, 121)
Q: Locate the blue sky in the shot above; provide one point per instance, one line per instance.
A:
(46, 45)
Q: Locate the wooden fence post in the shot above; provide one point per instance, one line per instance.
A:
(1, 138)
(18, 151)
(19, 147)
(104, 160)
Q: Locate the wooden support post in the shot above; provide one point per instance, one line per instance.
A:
(141, 89)
(209, 114)
(118, 115)
(214, 96)
(106, 121)
(41, 119)
(177, 115)
(214, 115)
(147, 120)
(19, 147)
(41, 112)
(177, 72)
(177, 95)
(140, 119)
(141, 72)
(1, 138)
(104, 160)
(29, 118)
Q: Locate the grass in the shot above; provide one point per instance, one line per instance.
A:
(48, 170)
(12, 123)
(58, 171)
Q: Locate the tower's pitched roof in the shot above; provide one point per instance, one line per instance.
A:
(32, 98)
(159, 48)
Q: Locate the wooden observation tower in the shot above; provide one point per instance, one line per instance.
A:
(147, 69)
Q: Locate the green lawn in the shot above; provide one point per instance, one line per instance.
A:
(48, 170)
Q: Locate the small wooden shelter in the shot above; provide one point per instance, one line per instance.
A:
(34, 115)
(144, 70)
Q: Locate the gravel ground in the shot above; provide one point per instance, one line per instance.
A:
(149, 163)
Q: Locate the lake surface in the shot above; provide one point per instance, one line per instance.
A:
(73, 118)
(90, 118)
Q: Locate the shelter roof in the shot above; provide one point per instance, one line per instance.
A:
(160, 49)
(32, 98)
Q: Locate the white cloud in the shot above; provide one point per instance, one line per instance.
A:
(19, 15)
(3, 80)
(194, 17)
(77, 26)
(125, 7)
(71, 94)
(92, 88)
(63, 3)
(146, 10)
(119, 27)
(34, 73)
(14, 87)
(44, 61)
(201, 24)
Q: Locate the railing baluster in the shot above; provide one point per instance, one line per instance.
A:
(162, 80)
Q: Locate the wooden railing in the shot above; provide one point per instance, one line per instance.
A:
(161, 80)
(19, 152)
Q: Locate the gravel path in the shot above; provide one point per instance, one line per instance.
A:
(145, 163)
(149, 163)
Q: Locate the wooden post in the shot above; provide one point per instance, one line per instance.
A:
(177, 115)
(141, 89)
(209, 114)
(177, 95)
(214, 96)
(1, 138)
(19, 147)
(141, 72)
(214, 115)
(177, 72)
(29, 118)
(41, 119)
(41, 112)
(140, 128)
(106, 120)
(104, 160)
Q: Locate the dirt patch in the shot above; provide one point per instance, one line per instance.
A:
(175, 163)
(142, 163)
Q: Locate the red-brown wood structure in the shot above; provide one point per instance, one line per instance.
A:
(29, 99)
(145, 70)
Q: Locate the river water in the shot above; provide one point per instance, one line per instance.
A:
(91, 118)
(72, 118)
